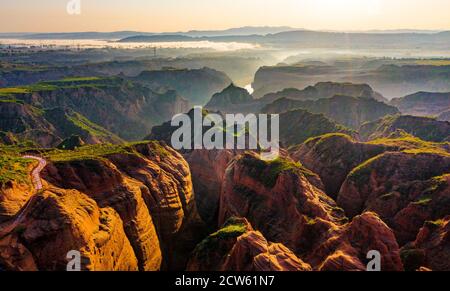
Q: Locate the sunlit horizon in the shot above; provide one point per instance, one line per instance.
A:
(183, 15)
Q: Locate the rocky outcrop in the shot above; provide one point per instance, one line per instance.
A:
(295, 127)
(211, 253)
(334, 156)
(425, 128)
(16, 185)
(168, 104)
(237, 247)
(347, 250)
(279, 201)
(71, 143)
(277, 198)
(145, 191)
(25, 122)
(59, 221)
(444, 116)
(48, 128)
(423, 103)
(8, 138)
(431, 249)
(392, 78)
(233, 100)
(120, 106)
(197, 85)
(105, 184)
(323, 90)
(391, 186)
(299, 125)
(346, 110)
(252, 252)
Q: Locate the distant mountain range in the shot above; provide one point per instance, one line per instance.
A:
(246, 30)
(317, 39)
(74, 35)
(239, 32)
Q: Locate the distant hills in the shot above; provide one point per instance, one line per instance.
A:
(114, 104)
(282, 35)
(394, 79)
(245, 30)
(21, 122)
(423, 103)
(305, 38)
(238, 31)
(349, 111)
(74, 35)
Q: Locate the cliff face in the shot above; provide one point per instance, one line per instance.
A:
(431, 249)
(47, 128)
(16, 185)
(197, 85)
(233, 100)
(426, 128)
(444, 116)
(334, 156)
(423, 103)
(238, 247)
(208, 170)
(323, 90)
(299, 125)
(391, 78)
(295, 127)
(345, 250)
(278, 200)
(57, 221)
(135, 204)
(25, 123)
(391, 186)
(347, 110)
(122, 107)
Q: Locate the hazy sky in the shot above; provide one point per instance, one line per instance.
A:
(181, 15)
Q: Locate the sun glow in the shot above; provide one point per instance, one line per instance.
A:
(182, 15)
(346, 8)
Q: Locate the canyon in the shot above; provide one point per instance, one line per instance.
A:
(87, 162)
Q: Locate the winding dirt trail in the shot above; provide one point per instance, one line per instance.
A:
(36, 173)
(9, 226)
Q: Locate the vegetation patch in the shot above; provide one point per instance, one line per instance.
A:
(389, 196)
(87, 125)
(218, 244)
(412, 259)
(67, 83)
(155, 148)
(101, 151)
(88, 152)
(436, 224)
(403, 126)
(12, 91)
(267, 172)
(423, 201)
(232, 229)
(411, 144)
(14, 169)
(323, 138)
(437, 184)
(427, 151)
(361, 174)
(309, 221)
(433, 62)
